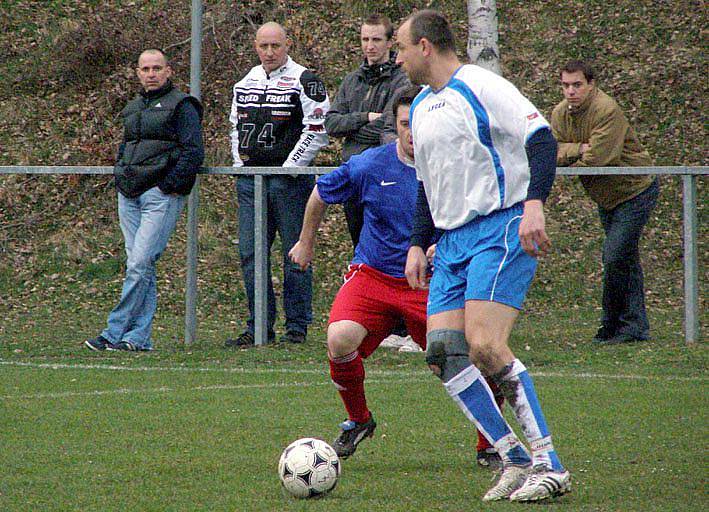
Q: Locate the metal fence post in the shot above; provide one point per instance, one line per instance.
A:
(689, 209)
(260, 261)
(193, 199)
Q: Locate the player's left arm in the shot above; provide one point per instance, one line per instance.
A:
(315, 104)
(541, 150)
(421, 236)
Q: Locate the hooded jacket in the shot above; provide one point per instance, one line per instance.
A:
(367, 89)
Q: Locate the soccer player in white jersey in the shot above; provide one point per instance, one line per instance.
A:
(486, 161)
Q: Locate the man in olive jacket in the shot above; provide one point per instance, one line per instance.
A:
(156, 167)
(361, 111)
(592, 131)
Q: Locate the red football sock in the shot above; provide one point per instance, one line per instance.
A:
(483, 443)
(347, 372)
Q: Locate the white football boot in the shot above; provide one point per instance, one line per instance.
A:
(543, 483)
(511, 479)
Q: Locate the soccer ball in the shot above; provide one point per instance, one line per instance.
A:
(309, 468)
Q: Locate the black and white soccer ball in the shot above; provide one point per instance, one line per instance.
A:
(308, 468)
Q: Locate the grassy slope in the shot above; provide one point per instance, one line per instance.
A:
(67, 67)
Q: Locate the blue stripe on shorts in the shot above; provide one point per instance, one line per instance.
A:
(481, 260)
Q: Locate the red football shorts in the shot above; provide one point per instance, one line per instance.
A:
(378, 302)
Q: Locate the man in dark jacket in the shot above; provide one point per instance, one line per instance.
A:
(361, 112)
(157, 162)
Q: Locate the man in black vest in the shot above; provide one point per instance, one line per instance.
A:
(157, 162)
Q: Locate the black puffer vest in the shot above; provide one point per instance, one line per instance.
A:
(150, 141)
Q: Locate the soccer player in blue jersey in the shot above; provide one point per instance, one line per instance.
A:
(375, 295)
(486, 161)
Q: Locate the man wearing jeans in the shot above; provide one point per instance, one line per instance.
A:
(278, 116)
(592, 131)
(157, 162)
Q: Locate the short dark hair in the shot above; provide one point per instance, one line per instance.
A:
(433, 26)
(154, 50)
(380, 19)
(404, 96)
(579, 65)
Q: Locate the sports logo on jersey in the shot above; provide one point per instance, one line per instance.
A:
(247, 98)
(317, 114)
(287, 78)
(387, 183)
(277, 98)
(313, 87)
(302, 148)
(436, 106)
(532, 116)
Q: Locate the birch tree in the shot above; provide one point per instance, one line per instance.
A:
(482, 34)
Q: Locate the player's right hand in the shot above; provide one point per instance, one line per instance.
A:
(301, 254)
(416, 266)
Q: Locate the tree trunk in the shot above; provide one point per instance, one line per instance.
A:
(482, 34)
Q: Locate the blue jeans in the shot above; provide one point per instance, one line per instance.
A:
(286, 199)
(623, 292)
(147, 222)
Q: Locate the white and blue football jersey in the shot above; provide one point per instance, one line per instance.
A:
(469, 145)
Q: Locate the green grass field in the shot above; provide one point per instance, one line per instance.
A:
(202, 428)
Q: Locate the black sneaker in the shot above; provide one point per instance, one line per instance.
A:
(293, 337)
(352, 434)
(604, 334)
(98, 344)
(489, 459)
(622, 338)
(125, 346)
(245, 339)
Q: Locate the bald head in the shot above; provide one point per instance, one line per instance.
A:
(154, 52)
(271, 28)
(272, 45)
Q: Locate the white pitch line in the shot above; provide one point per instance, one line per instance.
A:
(165, 389)
(64, 366)
(257, 371)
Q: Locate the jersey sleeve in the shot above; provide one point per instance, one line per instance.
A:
(315, 104)
(513, 111)
(234, 134)
(339, 185)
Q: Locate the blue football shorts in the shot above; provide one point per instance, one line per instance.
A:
(481, 260)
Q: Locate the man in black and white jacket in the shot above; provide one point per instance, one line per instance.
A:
(277, 116)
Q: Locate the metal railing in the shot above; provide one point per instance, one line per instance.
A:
(689, 222)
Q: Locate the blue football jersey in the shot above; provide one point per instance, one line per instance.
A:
(386, 188)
